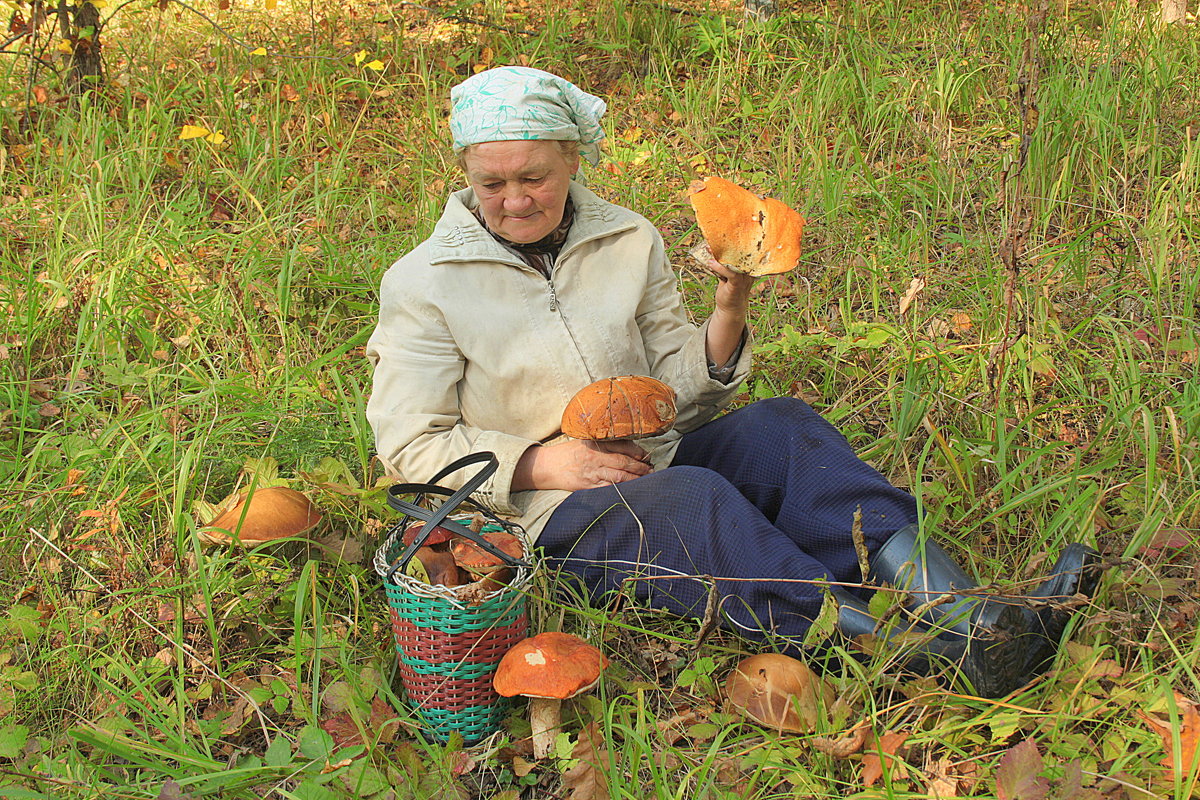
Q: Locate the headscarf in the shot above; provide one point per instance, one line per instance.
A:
(508, 103)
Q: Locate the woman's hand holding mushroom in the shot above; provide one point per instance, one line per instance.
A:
(573, 465)
(601, 420)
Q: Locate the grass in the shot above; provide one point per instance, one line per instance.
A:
(175, 309)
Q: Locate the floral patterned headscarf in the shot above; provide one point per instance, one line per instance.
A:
(508, 103)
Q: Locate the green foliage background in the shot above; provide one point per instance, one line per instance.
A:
(170, 309)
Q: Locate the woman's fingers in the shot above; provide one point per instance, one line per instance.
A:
(624, 447)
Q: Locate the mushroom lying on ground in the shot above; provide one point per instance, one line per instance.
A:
(777, 691)
(548, 668)
(264, 515)
(745, 232)
(627, 407)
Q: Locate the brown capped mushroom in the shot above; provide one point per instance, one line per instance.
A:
(440, 567)
(477, 561)
(777, 691)
(745, 232)
(440, 535)
(264, 515)
(548, 668)
(626, 407)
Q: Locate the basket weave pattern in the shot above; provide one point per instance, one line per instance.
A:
(448, 652)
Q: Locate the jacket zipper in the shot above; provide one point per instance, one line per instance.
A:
(553, 296)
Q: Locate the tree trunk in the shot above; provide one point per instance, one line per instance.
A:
(1173, 11)
(82, 30)
(760, 10)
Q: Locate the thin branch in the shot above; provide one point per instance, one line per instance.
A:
(463, 19)
(242, 44)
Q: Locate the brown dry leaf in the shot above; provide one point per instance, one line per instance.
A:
(884, 749)
(915, 287)
(960, 322)
(289, 93)
(343, 729)
(383, 720)
(586, 780)
(1189, 732)
(672, 729)
(843, 746)
(947, 779)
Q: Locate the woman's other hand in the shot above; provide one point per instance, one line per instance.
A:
(728, 320)
(575, 464)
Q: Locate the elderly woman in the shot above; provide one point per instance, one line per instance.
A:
(531, 287)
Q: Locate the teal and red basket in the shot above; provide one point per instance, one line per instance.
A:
(447, 648)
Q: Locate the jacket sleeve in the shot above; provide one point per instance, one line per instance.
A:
(675, 347)
(414, 410)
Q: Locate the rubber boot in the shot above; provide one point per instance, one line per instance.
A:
(1075, 572)
(992, 634)
(922, 656)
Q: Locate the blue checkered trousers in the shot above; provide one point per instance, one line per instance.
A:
(761, 499)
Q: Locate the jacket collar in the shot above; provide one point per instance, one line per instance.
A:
(458, 236)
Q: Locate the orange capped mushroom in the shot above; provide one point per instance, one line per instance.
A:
(627, 407)
(264, 515)
(548, 668)
(745, 232)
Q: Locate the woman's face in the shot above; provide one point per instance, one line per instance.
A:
(521, 186)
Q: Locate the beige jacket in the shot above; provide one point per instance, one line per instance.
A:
(475, 350)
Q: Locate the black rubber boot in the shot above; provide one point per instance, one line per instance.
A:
(1076, 572)
(922, 656)
(987, 637)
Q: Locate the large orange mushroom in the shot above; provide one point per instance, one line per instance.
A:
(548, 668)
(263, 515)
(626, 407)
(746, 232)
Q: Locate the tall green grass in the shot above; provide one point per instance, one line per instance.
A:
(172, 309)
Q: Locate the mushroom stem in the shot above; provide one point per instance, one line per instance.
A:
(544, 717)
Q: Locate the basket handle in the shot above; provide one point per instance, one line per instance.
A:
(453, 501)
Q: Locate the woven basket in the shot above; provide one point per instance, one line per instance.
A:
(448, 650)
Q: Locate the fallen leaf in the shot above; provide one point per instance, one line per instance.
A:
(289, 93)
(586, 780)
(342, 728)
(1188, 732)
(883, 751)
(843, 746)
(915, 287)
(1018, 776)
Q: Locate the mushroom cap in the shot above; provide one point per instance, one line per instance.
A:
(747, 233)
(552, 665)
(777, 691)
(274, 512)
(471, 556)
(626, 407)
(439, 534)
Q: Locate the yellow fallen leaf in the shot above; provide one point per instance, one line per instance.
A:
(376, 65)
(258, 51)
(359, 56)
(271, 5)
(193, 132)
(216, 137)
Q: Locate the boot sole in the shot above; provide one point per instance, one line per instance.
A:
(997, 654)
